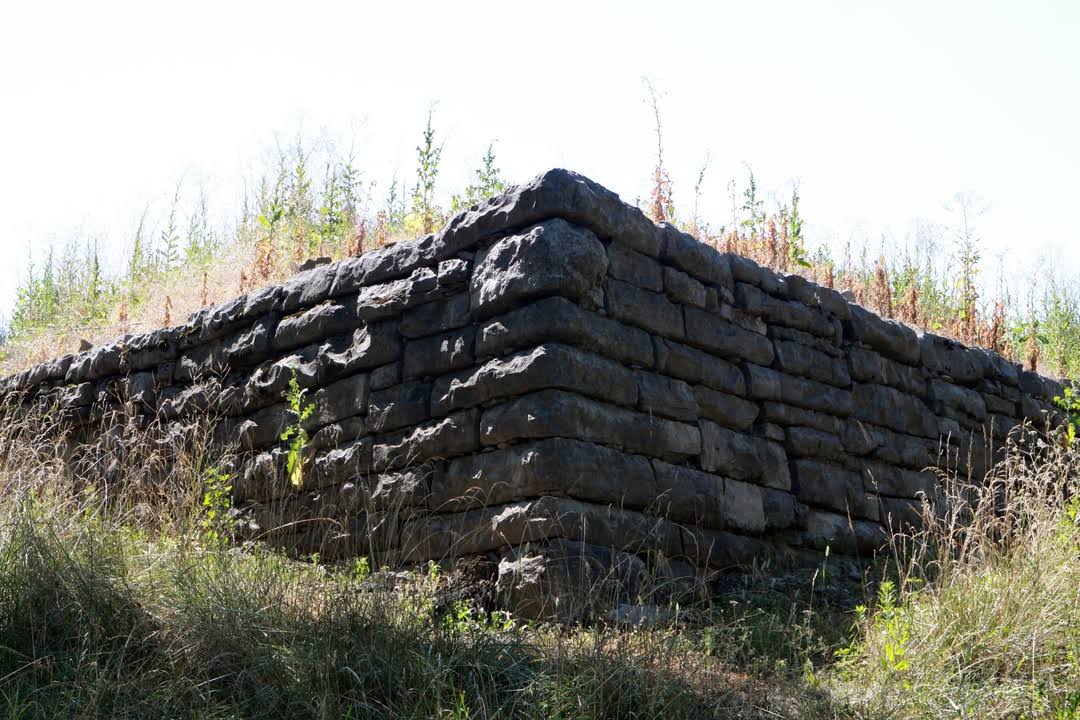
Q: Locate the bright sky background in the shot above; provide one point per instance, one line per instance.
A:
(882, 111)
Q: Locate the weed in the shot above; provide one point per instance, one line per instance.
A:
(295, 434)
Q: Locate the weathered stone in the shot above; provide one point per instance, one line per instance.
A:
(337, 401)
(556, 466)
(743, 457)
(827, 346)
(633, 267)
(831, 487)
(367, 347)
(809, 293)
(307, 288)
(378, 302)
(888, 337)
(551, 365)
(868, 366)
(568, 581)
(808, 442)
(799, 359)
(688, 495)
(436, 317)
(684, 289)
(745, 270)
(782, 312)
(891, 480)
(561, 320)
(439, 353)
(716, 335)
(451, 436)
(337, 433)
(552, 258)
(893, 409)
(766, 384)
(384, 376)
(321, 321)
(695, 366)
(648, 310)
(343, 463)
(398, 406)
(901, 514)
(790, 415)
(659, 395)
(556, 193)
(946, 395)
(842, 534)
(950, 359)
(779, 509)
(728, 410)
(555, 413)
(722, 549)
(693, 257)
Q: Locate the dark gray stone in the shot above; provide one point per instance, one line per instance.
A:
(716, 335)
(766, 384)
(950, 359)
(634, 267)
(439, 354)
(439, 439)
(555, 413)
(893, 409)
(728, 410)
(696, 366)
(787, 415)
(337, 401)
(318, 323)
(868, 366)
(898, 482)
(648, 310)
(561, 320)
(799, 359)
(693, 257)
(688, 495)
(783, 312)
(398, 406)
(889, 337)
(743, 457)
(551, 365)
(659, 395)
(367, 347)
(842, 534)
(684, 289)
(946, 395)
(832, 487)
(552, 258)
(745, 270)
(557, 466)
(436, 317)
(307, 288)
(810, 293)
(808, 442)
(378, 302)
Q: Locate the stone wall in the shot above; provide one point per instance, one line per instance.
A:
(552, 374)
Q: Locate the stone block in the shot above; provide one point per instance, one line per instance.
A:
(720, 337)
(743, 457)
(651, 311)
(552, 258)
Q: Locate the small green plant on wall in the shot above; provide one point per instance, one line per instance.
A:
(217, 524)
(1070, 404)
(295, 434)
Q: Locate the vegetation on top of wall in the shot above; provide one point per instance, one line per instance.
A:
(315, 202)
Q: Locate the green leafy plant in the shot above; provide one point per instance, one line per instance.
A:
(1070, 404)
(217, 524)
(295, 434)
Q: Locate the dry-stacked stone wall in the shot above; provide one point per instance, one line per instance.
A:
(552, 374)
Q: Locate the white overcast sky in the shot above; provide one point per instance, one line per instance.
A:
(882, 111)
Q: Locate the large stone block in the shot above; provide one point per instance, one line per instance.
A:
(688, 495)
(743, 457)
(721, 337)
(552, 258)
(439, 354)
(634, 267)
(551, 365)
(696, 366)
(783, 312)
(832, 487)
(693, 257)
(728, 410)
(888, 337)
(559, 319)
(556, 466)
(435, 440)
(651, 311)
(798, 359)
(893, 409)
(555, 413)
(770, 385)
(317, 323)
